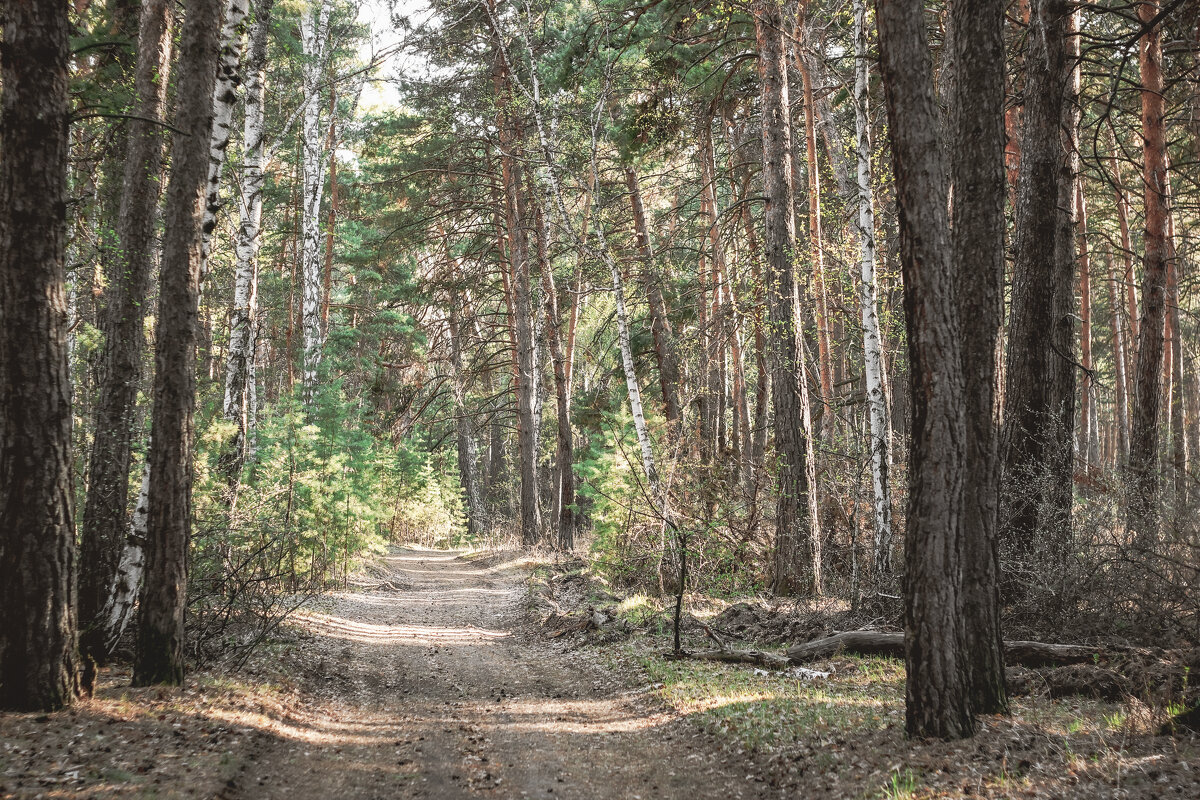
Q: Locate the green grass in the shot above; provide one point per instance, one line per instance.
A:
(766, 711)
(901, 786)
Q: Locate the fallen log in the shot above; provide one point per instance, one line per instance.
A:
(760, 658)
(874, 643)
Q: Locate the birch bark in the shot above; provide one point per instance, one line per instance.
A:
(877, 410)
(314, 37)
(229, 78)
(239, 367)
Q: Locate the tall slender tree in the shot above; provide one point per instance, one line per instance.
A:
(243, 328)
(1143, 438)
(1033, 428)
(877, 408)
(797, 555)
(159, 655)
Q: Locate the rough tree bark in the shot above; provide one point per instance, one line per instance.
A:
(937, 700)
(105, 512)
(159, 654)
(978, 176)
(522, 324)
(37, 535)
(796, 566)
(1087, 444)
(1143, 437)
(1032, 431)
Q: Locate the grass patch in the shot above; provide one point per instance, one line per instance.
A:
(764, 711)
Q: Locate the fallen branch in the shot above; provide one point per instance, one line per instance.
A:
(874, 643)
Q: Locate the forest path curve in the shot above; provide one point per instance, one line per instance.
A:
(434, 685)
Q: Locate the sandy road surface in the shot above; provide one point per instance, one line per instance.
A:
(432, 685)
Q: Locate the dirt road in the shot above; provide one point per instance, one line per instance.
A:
(433, 685)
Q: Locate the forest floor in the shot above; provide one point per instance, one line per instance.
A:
(429, 679)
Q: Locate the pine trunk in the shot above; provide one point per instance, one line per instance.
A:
(1032, 428)
(37, 535)
(564, 485)
(159, 656)
(1143, 438)
(938, 679)
(1120, 359)
(796, 567)
(978, 175)
(817, 253)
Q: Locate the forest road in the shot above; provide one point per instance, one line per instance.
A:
(434, 685)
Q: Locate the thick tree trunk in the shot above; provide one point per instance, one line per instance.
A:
(127, 583)
(1179, 452)
(37, 535)
(796, 564)
(978, 175)
(314, 38)
(1033, 432)
(938, 679)
(243, 327)
(877, 410)
(1143, 438)
(159, 657)
(105, 515)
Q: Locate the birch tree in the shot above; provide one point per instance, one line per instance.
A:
(877, 410)
(229, 78)
(238, 405)
(314, 39)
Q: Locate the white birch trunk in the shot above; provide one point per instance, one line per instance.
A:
(127, 583)
(239, 368)
(877, 410)
(314, 24)
(224, 100)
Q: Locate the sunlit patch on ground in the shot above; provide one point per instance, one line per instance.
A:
(369, 633)
(576, 717)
